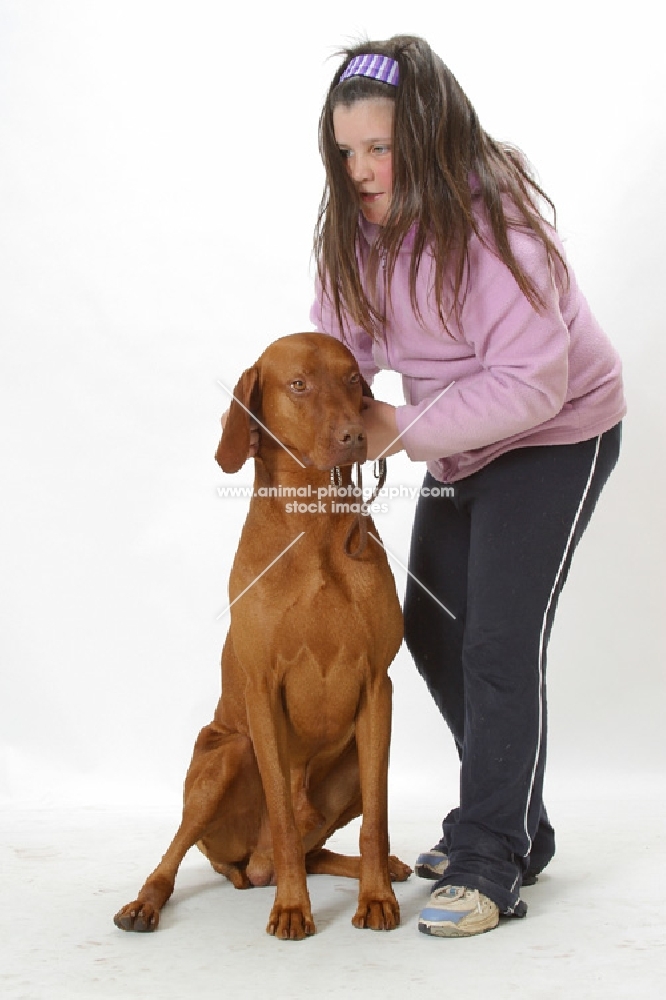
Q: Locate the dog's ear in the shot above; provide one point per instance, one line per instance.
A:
(234, 446)
(367, 391)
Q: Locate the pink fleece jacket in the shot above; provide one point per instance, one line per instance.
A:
(508, 376)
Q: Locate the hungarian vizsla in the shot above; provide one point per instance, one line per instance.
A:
(299, 743)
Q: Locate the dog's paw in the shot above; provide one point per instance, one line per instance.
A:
(398, 870)
(377, 914)
(137, 916)
(290, 923)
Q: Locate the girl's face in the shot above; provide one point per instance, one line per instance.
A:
(364, 133)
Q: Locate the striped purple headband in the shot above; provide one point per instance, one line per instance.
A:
(376, 67)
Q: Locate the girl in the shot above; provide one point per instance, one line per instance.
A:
(435, 260)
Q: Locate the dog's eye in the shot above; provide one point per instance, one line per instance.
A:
(298, 385)
(355, 378)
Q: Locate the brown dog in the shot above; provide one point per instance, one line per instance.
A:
(299, 743)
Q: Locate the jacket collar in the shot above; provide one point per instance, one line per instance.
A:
(371, 232)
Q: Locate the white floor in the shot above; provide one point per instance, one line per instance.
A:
(596, 926)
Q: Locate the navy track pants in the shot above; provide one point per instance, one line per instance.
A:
(497, 554)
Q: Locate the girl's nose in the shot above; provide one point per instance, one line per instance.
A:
(359, 168)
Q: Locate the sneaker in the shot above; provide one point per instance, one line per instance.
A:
(432, 864)
(455, 911)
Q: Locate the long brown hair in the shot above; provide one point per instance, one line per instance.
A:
(438, 145)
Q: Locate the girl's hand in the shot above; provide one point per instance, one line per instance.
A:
(381, 428)
(254, 434)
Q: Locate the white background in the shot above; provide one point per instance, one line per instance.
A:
(159, 181)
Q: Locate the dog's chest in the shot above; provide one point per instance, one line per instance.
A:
(321, 691)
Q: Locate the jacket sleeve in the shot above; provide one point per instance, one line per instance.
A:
(521, 354)
(324, 319)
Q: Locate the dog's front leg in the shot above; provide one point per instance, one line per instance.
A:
(291, 916)
(378, 908)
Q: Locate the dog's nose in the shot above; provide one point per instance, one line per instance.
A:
(350, 437)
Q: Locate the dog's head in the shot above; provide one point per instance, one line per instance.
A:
(305, 392)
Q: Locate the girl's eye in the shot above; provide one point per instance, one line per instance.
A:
(381, 150)
(344, 153)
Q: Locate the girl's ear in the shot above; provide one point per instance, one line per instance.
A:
(234, 446)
